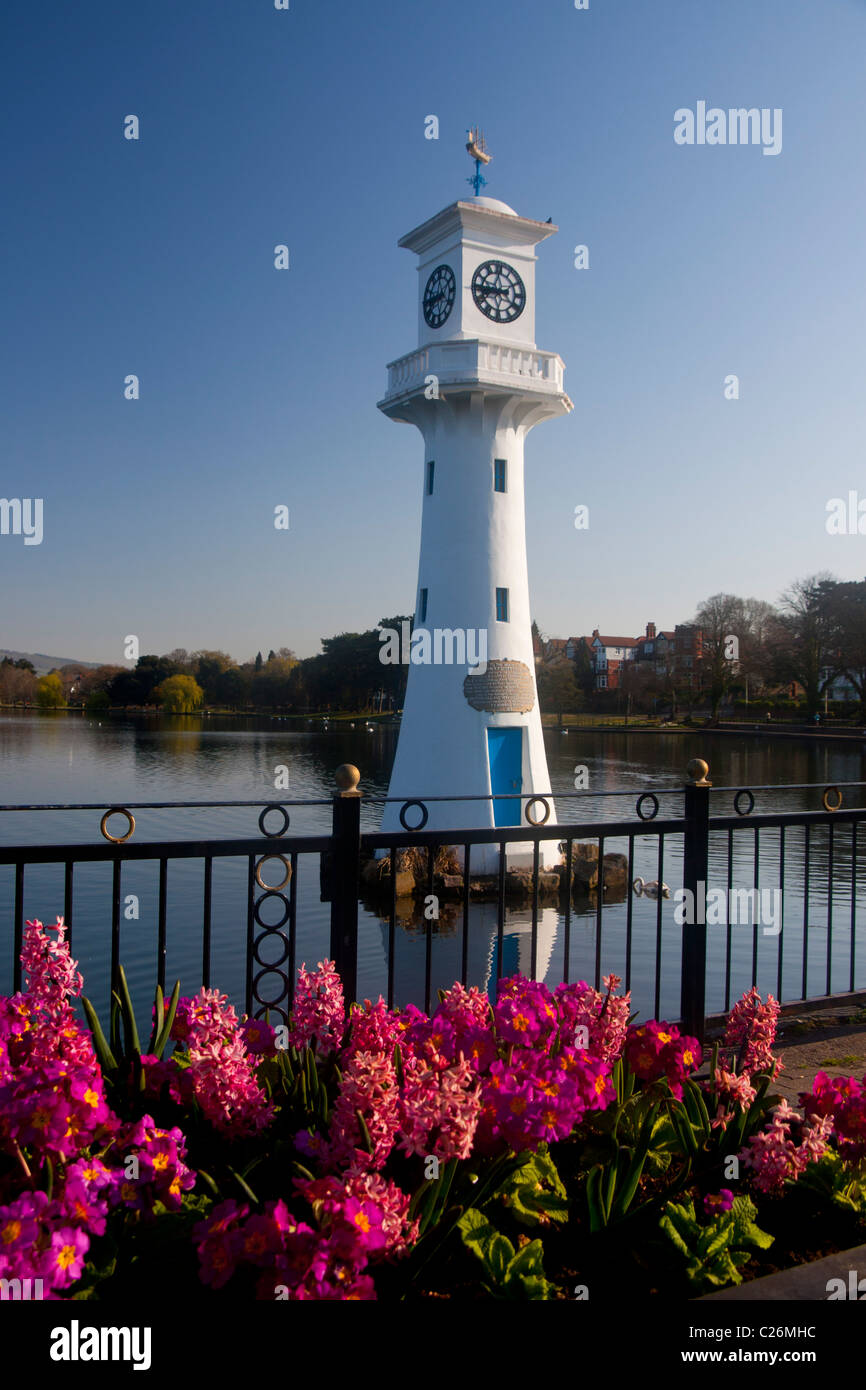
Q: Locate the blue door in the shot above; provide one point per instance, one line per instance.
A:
(505, 752)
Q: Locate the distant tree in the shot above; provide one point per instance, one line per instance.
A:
(99, 678)
(178, 695)
(271, 655)
(638, 684)
(97, 702)
(259, 662)
(271, 685)
(137, 687)
(49, 693)
(209, 668)
(17, 685)
(584, 672)
(846, 604)
(720, 618)
(558, 690)
(810, 628)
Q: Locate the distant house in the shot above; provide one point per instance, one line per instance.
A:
(839, 687)
(609, 655)
(677, 650)
(555, 651)
(656, 646)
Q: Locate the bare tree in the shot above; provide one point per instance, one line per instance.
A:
(811, 655)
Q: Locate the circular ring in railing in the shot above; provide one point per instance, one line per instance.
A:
(825, 799)
(424, 815)
(651, 797)
(751, 806)
(272, 1004)
(267, 936)
(542, 819)
(273, 887)
(274, 834)
(117, 811)
(272, 926)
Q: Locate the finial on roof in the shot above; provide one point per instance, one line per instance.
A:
(478, 151)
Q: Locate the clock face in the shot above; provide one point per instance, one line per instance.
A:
(439, 296)
(499, 291)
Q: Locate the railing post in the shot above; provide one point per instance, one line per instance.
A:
(695, 866)
(345, 875)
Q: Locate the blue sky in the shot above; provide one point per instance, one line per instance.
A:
(258, 387)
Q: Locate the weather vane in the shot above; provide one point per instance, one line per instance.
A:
(478, 151)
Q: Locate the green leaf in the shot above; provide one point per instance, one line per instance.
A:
(133, 1046)
(667, 1225)
(494, 1251)
(597, 1213)
(114, 1024)
(164, 1033)
(244, 1187)
(104, 1055)
(158, 1011)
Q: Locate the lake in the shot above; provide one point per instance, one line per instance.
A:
(70, 758)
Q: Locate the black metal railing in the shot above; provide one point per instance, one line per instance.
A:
(702, 853)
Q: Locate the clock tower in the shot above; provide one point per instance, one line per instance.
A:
(474, 387)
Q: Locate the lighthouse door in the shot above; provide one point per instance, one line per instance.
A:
(505, 753)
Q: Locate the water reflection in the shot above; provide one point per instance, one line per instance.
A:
(73, 758)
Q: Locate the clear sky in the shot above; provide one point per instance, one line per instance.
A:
(258, 387)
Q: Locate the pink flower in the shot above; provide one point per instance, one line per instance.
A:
(730, 1090)
(259, 1037)
(319, 1010)
(66, 1253)
(750, 1034)
(715, 1203)
(524, 1012)
(602, 1017)
(774, 1156)
(221, 1076)
(843, 1101)
(658, 1049)
(368, 1089)
(439, 1111)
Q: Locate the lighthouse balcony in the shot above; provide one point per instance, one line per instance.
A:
(473, 362)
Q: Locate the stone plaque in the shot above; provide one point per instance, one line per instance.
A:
(505, 688)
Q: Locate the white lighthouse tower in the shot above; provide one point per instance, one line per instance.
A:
(474, 388)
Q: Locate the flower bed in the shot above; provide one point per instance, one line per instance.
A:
(544, 1146)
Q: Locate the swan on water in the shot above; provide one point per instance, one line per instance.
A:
(651, 889)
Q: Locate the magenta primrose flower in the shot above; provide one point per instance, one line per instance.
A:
(715, 1203)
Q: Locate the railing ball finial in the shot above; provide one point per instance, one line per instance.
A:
(347, 778)
(697, 771)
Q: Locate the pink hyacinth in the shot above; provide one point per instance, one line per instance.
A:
(319, 1011)
(439, 1111)
(775, 1157)
(603, 1016)
(750, 1034)
(49, 1030)
(843, 1101)
(368, 1088)
(221, 1076)
(729, 1090)
(375, 1028)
